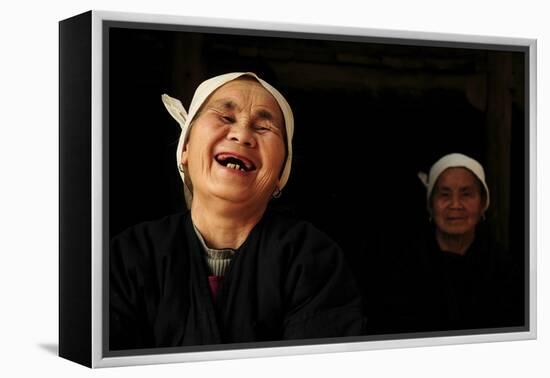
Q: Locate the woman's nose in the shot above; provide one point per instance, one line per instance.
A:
(456, 201)
(241, 133)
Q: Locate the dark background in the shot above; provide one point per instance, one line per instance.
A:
(368, 116)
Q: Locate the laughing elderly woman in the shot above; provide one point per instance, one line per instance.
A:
(453, 275)
(228, 270)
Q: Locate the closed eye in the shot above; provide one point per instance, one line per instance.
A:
(227, 119)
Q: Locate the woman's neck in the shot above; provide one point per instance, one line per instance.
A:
(222, 226)
(458, 244)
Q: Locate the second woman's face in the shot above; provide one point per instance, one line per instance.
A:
(457, 204)
(236, 147)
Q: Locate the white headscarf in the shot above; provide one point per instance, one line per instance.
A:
(205, 89)
(452, 161)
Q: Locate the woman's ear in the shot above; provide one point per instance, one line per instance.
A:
(277, 192)
(184, 155)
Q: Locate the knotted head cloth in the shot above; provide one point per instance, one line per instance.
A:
(452, 161)
(203, 91)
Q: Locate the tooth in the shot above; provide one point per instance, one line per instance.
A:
(230, 165)
(237, 166)
(242, 169)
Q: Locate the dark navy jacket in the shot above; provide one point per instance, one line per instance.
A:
(287, 281)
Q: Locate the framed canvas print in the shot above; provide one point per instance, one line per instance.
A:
(234, 189)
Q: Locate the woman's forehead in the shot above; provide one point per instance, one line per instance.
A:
(456, 176)
(247, 93)
(240, 92)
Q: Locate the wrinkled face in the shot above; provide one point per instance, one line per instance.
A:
(457, 203)
(236, 147)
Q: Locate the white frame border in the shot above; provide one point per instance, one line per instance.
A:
(98, 360)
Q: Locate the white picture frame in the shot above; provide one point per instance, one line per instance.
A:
(82, 254)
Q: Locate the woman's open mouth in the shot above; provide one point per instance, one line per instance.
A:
(234, 161)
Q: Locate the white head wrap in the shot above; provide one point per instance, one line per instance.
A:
(451, 161)
(205, 89)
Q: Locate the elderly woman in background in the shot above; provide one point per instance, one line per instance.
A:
(457, 198)
(229, 270)
(453, 275)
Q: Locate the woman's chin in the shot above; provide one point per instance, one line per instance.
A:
(235, 196)
(456, 230)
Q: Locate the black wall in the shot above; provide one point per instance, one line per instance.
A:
(369, 115)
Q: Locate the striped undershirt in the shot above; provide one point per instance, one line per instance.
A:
(217, 259)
